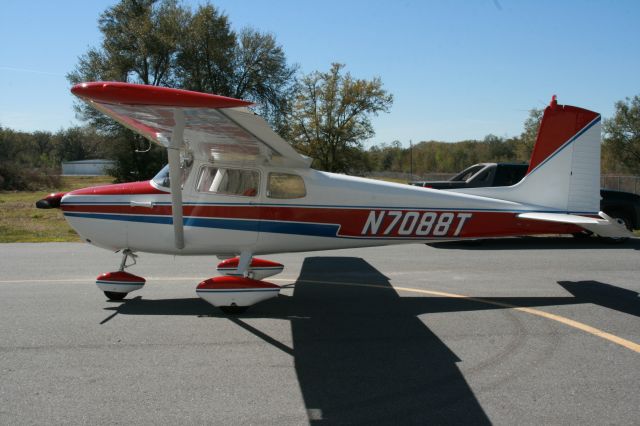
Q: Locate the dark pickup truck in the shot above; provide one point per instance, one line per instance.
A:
(617, 204)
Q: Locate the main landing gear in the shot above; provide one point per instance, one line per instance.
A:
(241, 284)
(116, 285)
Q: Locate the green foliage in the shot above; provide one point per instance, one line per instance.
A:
(30, 161)
(205, 60)
(530, 133)
(330, 118)
(163, 42)
(445, 157)
(261, 75)
(622, 135)
(135, 158)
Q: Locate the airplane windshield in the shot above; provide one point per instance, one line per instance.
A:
(162, 177)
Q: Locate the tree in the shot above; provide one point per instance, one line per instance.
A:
(330, 116)
(622, 134)
(261, 75)
(141, 39)
(22, 157)
(205, 59)
(162, 42)
(529, 134)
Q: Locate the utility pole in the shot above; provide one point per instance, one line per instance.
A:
(411, 159)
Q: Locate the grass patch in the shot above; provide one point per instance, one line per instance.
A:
(21, 222)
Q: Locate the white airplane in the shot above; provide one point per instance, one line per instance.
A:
(235, 189)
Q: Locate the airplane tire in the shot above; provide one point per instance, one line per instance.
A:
(112, 295)
(233, 310)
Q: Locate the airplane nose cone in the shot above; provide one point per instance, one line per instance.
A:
(51, 201)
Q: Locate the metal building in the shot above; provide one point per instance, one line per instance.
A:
(86, 167)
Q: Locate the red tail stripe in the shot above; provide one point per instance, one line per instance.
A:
(559, 124)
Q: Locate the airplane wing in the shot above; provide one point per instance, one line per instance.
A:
(214, 127)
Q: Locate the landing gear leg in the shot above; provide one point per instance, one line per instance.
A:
(243, 264)
(126, 253)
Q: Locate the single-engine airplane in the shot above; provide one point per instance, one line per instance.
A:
(235, 189)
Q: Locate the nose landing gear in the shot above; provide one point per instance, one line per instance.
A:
(116, 285)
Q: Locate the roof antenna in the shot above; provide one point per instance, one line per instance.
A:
(554, 102)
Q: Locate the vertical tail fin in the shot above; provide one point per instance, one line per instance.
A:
(564, 171)
(560, 123)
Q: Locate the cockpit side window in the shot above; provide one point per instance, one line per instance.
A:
(225, 181)
(285, 186)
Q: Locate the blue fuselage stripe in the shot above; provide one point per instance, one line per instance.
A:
(312, 229)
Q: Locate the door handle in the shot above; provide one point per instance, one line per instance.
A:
(145, 204)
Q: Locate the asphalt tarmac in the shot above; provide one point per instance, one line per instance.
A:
(520, 331)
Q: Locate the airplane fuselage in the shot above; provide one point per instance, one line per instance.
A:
(329, 211)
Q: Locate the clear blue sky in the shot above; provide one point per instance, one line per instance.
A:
(458, 69)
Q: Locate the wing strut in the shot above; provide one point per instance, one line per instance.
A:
(175, 177)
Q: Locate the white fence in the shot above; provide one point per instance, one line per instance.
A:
(621, 183)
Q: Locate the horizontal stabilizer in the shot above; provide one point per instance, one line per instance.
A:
(605, 227)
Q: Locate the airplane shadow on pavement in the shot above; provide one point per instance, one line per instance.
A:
(361, 357)
(361, 353)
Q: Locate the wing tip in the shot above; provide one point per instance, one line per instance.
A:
(114, 92)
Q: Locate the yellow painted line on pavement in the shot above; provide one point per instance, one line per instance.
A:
(563, 320)
(553, 317)
(93, 279)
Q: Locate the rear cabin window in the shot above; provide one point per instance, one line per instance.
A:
(285, 186)
(240, 182)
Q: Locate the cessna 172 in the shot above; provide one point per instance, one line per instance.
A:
(235, 189)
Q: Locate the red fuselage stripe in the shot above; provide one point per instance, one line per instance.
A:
(358, 222)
